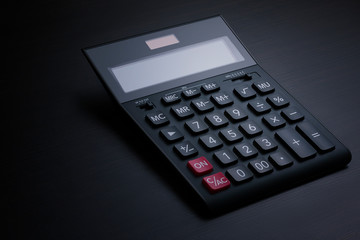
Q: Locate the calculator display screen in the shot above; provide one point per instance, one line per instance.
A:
(178, 63)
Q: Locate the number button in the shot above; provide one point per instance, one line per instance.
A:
(236, 114)
(250, 128)
(239, 174)
(245, 150)
(231, 135)
(216, 120)
(210, 141)
(265, 144)
(244, 92)
(225, 157)
(196, 126)
(185, 149)
(260, 166)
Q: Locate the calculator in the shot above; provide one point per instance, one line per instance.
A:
(231, 131)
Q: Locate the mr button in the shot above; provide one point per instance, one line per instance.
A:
(157, 118)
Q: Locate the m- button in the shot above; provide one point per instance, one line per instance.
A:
(157, 118)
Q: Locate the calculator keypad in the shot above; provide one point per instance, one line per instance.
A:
(229, 127)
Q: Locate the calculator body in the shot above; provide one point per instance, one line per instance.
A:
(231, 131)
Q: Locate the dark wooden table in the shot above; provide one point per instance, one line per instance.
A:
(75, 167)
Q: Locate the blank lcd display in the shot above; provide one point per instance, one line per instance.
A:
(178, 63)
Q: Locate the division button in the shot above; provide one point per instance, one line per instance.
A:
(185, 149)
(259, 106)
(216, 182)
(296, 143)
(239, 174)
(315, 137)
(157, 118)
(200, 166)
(171, 134)
(281, 159)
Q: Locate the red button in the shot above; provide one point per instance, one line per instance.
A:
(200, 166)
(216, 182)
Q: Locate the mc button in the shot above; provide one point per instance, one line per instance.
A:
(157, 118)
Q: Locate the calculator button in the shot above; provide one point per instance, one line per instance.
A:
(200, 166)
(182, 111)
(196, 126)
(265, 144)
(315, 137)
(210, 87)
(239, 174)
(210, 141)
(225, 157)
(191, 93)
(222, 99)
(171, 98)
(292, 114)
(277, 100)
(263, 87)
(202, 105)
(244, 92)
(250, 128)
(274, 120)
(245, 150)
(231, 135)
(260, 166)
(216, 182)
(157, 118)
(296, 143)
(236, 114)
(171, 134)
(259, 106)
(281, 159)
(185, 149)
(216, 120)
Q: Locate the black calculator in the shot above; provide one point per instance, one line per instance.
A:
(230, 130)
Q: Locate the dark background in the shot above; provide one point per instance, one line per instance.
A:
(75, 167)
